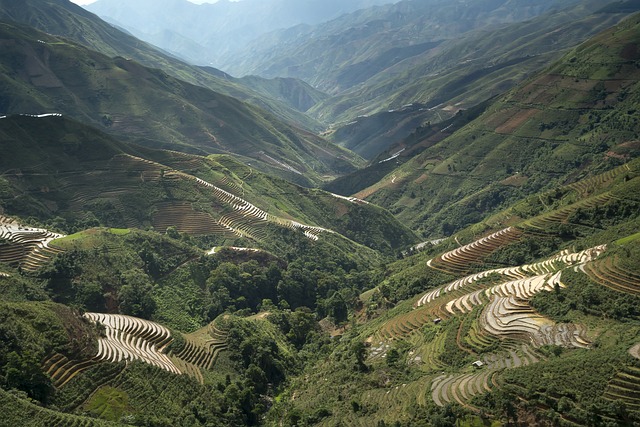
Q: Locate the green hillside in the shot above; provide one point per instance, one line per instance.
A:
(548, 306)
(43, 73)
(575, 119)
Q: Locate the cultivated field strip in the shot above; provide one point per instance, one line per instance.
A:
(608, 272)
(541, 223)
(131, 338)
(625, 387)
(27, 247)
(460, 259)
(203, 347)
(588, 185)
(187, 220)
(461, 388)
(520, 274)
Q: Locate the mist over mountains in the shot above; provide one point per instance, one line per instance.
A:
(204, 33)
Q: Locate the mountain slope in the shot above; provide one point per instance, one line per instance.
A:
(63, 18)
(346, 51)
(518, 313)
(576, 118)
(458, 74)
(43, 73)
(91, 179)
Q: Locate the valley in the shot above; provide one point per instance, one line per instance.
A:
(380, 213)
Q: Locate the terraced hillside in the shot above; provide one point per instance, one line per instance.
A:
(486, 325)
(121, 187)
(25, 247)
(574, 119)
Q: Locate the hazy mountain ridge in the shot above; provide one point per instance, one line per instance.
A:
(473, 67)
(219, 28)
(321, 53)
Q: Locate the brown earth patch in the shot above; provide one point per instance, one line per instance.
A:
(512, 124)
(630, 52)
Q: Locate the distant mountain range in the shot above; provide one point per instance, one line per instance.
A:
(204, 33)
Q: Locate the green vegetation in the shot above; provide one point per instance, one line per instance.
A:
(315, 309)
(533, 138)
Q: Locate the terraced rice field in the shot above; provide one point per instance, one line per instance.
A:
(522, 283)
(130, 338)
(26, 247)
(203, 347)
(504, 293)
(62, 370)
(461, 388)
(608, 272)
(541, 223)
(460, 260)
(187, 220)
(246, 219)
(509, 317)
(586, 186)
(397, 398)
(625, 386)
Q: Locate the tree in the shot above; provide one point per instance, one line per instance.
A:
(359, 351)
(136, 295)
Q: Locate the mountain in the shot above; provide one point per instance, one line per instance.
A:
(341, 53)
(459, 74)
(204, 33)
(573, 119)
(43, 73)
(144, 286)
(63, 18)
